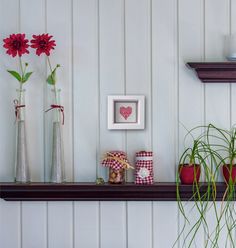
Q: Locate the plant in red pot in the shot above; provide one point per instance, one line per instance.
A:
(222, 142)
(225, 146)
(195, 160)
(189, 172)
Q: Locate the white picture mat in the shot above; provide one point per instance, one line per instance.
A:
(136, 120)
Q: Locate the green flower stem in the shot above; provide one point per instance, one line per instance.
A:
(21, 83)
(51, 70)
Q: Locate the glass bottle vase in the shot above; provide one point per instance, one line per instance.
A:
(22, 174)
(58, 162)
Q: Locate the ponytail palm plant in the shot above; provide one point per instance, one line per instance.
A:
(202, 158)
(225, 147)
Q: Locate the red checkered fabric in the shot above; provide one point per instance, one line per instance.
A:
(144, 168)
(111, 162)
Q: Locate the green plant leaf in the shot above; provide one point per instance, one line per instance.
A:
(52, 78)
(15, 74)
(26, 77)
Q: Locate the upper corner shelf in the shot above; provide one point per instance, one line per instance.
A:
(215, 72)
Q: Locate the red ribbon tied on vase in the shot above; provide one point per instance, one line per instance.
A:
(60, 108)
(17, 108)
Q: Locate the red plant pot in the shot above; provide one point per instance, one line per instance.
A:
(189, 173)
(227, 174)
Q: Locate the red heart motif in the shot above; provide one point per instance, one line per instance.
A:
(125, 111)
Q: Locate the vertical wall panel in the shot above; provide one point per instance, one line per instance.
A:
(165, 220)
(217, 111)
(212, 220)
(138, 81)
(10, 219)
(111, 20)
(139, 224)
(34, 225)
(217, 26)
(138, 69)
(86, 220)
(191, 93)
(164, 93)
(113, 231)
(60, 229)
(164, 113)
(10, 224)
(62, 17)
(59, 14)
(34, 86)
(9, 25)
(85, 90)
(233, 86)
(111, 66)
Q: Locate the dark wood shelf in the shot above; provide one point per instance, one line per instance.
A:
(93, 192)
(215, 72)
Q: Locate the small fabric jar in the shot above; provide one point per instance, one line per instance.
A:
(144, 168)
(117, 162)
(116, 176)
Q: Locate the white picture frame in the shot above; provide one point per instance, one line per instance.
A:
(126, 112)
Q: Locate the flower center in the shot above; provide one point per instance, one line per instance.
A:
(42, 44)
(16, 44)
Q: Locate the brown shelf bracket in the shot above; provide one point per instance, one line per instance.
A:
(215, 72)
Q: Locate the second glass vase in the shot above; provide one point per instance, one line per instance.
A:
(58, 162)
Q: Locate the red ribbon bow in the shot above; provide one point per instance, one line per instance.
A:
(60, 108)
(17, 107)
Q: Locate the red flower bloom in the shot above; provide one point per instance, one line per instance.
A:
(43, 44)
(16, 44)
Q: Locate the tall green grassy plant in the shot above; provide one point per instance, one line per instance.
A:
(201, 153)
(225, 146)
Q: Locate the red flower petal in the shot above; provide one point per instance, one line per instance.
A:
(16, 44)
(43, 44)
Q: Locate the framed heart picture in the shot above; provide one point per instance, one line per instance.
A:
(126, 112)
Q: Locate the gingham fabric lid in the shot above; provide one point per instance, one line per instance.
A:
(143, 155)
(111, 161)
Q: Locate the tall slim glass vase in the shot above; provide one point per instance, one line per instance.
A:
(22, 174)
(58, 162)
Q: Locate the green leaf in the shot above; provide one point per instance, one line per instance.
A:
(16, 75)
(26, 77)
(52, 78)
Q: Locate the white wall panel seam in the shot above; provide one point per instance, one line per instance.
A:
(72, 92)
(45, 104)
(99, 95)
(21, 224)
(47, 237)
(73, 115)
(177, 101)
(125, 135)
(204, 86)
(99, 121)
(151, 107)
(44, 95)
(230, 85)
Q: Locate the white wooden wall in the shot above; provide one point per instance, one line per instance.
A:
(111, 47)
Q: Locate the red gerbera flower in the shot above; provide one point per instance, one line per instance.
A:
(16, 44)
(43, 44)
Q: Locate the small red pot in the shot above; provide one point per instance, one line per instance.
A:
(189, 173)
(227, 174)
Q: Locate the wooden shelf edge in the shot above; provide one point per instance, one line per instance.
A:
(214, 72)
(93, 192)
